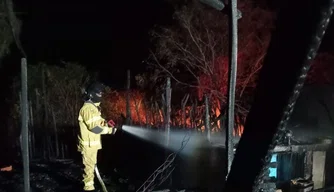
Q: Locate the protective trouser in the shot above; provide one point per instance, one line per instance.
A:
(89, 159)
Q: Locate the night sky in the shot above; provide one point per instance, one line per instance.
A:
(105, 37)
(99, 34)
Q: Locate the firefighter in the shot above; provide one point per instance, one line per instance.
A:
(92, 126)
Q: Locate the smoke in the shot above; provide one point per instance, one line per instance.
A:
(308, 134)
(313, 116)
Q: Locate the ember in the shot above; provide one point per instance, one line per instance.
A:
(6, 169)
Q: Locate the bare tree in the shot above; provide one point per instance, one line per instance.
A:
(191, 45)
(194, 50)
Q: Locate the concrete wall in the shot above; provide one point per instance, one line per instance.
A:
(318, 172)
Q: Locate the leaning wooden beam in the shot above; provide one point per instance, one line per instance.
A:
(232, 78)
(278, 88)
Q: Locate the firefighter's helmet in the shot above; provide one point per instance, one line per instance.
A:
(94, 92)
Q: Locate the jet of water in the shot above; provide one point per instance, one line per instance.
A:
(177, 137)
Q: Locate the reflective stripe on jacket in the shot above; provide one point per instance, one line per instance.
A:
(89, 120)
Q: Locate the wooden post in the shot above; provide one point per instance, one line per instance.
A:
(192, 116)
(207, 119)
(62, 150)
(37, 121)
(128, 112)
(137, 107)
(147, 114)
(183, 104)
(163, 110)
(232, 77)
(25, 121)
(168, 109)
(30, 128)
(46, 147)
(55, 132)
(153, 112)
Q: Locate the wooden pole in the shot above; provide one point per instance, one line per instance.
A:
(168, 110)
(232, 77)
(128, 112)
(25, 121)
(55, 132)
(207, 118)
(183, 105)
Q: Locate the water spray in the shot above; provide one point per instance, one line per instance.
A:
(182, 142)
(175, 140)
(177, 136)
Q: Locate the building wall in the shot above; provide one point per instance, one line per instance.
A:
(289, 166)
(318, 171)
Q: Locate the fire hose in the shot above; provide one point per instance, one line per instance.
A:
(110, 123)
(300, 28)
(104, 188)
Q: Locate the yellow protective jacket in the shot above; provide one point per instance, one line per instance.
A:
(92, 126)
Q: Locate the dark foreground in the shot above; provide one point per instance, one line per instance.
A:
(134, 161)
(61, 176)
(57, 175)
(198, 169)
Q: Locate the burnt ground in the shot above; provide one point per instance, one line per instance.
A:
(134, 159)
(66, 174)
(56, 175)
(197, 172)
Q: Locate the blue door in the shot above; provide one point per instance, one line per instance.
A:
(273, 167)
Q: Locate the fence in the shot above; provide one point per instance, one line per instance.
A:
(55, 100)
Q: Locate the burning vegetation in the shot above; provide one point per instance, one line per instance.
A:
(146, 112)
(193, 53)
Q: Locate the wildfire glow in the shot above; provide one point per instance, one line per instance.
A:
(149, 113)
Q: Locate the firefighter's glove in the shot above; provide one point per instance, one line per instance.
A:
(112, 130)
